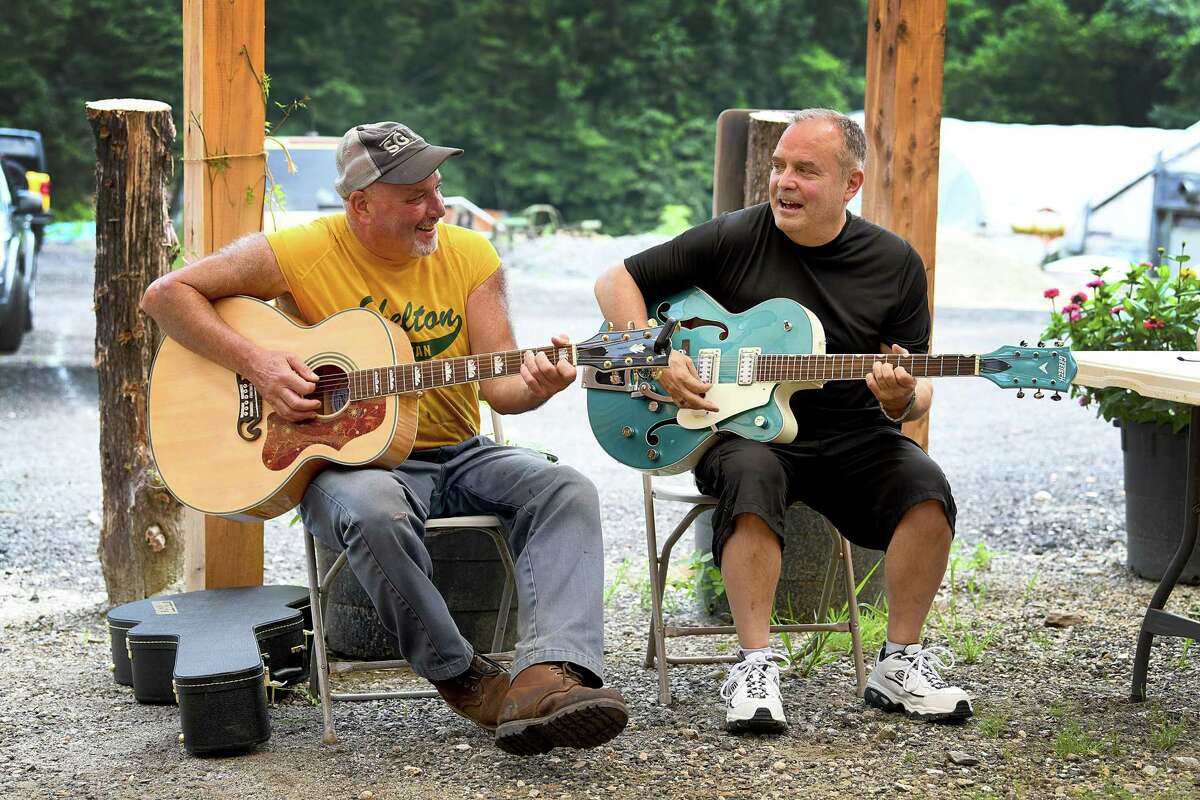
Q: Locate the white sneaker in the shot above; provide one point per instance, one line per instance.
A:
(908, 683)
(753, 703)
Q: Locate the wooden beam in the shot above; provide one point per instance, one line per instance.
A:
(905, 46)
(224, 174)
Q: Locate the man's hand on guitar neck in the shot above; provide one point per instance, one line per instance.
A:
(544, 378)
(283, 380)
(894, 387)
(683, 383)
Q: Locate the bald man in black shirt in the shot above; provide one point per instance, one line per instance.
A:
(849, 459)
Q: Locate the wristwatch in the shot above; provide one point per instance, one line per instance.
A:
(912, 401)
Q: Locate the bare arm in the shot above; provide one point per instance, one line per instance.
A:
(491, 331)
(181, 303)
(622, 303)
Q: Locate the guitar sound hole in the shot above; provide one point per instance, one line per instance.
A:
(652, 434)
(333, 389)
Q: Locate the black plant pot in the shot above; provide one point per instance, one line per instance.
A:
(1155, 487)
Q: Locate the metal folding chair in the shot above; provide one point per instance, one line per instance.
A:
(659, 561)
(318, 592)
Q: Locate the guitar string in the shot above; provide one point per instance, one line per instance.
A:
(812, 367)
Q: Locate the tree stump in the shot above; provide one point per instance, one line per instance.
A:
(141, 543)
(765, 129)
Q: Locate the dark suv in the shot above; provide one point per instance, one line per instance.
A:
(23, 151)
(18, 256)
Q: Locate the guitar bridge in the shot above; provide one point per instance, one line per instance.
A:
(249, 410)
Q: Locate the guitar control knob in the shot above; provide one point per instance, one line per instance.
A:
(627, 432)
(652, 405)
(652, 455)
(760, 421)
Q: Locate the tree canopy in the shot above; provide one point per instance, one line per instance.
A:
(604, 109)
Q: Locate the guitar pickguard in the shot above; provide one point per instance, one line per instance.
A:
(286, 440)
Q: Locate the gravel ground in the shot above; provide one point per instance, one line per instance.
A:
(1040, 483)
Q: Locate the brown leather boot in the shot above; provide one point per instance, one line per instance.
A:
(478, 693)
(548, 706)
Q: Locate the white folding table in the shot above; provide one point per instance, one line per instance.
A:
(1167, 375)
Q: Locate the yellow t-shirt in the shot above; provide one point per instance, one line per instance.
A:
(328, 270)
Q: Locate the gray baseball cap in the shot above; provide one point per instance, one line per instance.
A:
(388, 152)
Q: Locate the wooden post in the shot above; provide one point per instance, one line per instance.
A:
(142, 533)
(905, 45)
(224, 174)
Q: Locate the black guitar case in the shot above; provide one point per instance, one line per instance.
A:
(214, 653)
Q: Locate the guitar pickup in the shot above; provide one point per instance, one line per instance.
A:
(708, 364)
(747, 365)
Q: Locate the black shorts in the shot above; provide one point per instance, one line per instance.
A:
(863, 481)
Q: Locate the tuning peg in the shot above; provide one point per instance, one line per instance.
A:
(1038, 395)
(1059, 343)
(1056, 396)
(1020, 393)
(631, 325)
(608, 326)
(1024, 343)
(1041, 343)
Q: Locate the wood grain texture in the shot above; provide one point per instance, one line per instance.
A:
(224, 117)
(905, 48)
(142, 532)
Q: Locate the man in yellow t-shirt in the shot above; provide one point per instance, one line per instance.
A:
(444, 286)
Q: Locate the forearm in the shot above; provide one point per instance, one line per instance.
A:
(510, 395)
(924, 393)
(620, 299)
(189, 318)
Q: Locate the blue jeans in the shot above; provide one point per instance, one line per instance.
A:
(550, 512)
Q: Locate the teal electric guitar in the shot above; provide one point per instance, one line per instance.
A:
(755, 361)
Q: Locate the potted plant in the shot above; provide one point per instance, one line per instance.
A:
(1150, 307)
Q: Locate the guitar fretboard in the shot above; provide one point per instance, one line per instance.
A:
(845, 366)
(365, 384)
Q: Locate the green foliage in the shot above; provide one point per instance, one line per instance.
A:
(604, 109)
(674, 220)
(1166, 734)
(1151, 307)
(1072, 739)
(824, 647)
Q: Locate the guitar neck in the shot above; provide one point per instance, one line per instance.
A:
(845, 366)
(416, 376)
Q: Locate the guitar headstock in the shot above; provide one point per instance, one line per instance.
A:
(1022, 367)
(637, 348)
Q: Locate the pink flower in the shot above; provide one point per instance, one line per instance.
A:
(1116, 310)
(1075, 316)
(1152, 323)
(1085, 401)
(1096, 284)
(1079, 297)
(1145, 264)
(1070, 308)
(1050, 294)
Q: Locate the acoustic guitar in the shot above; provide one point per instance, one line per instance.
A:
(221, 449)
(756, 361)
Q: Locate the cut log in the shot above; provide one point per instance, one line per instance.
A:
(765, 129)
(141, 534)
